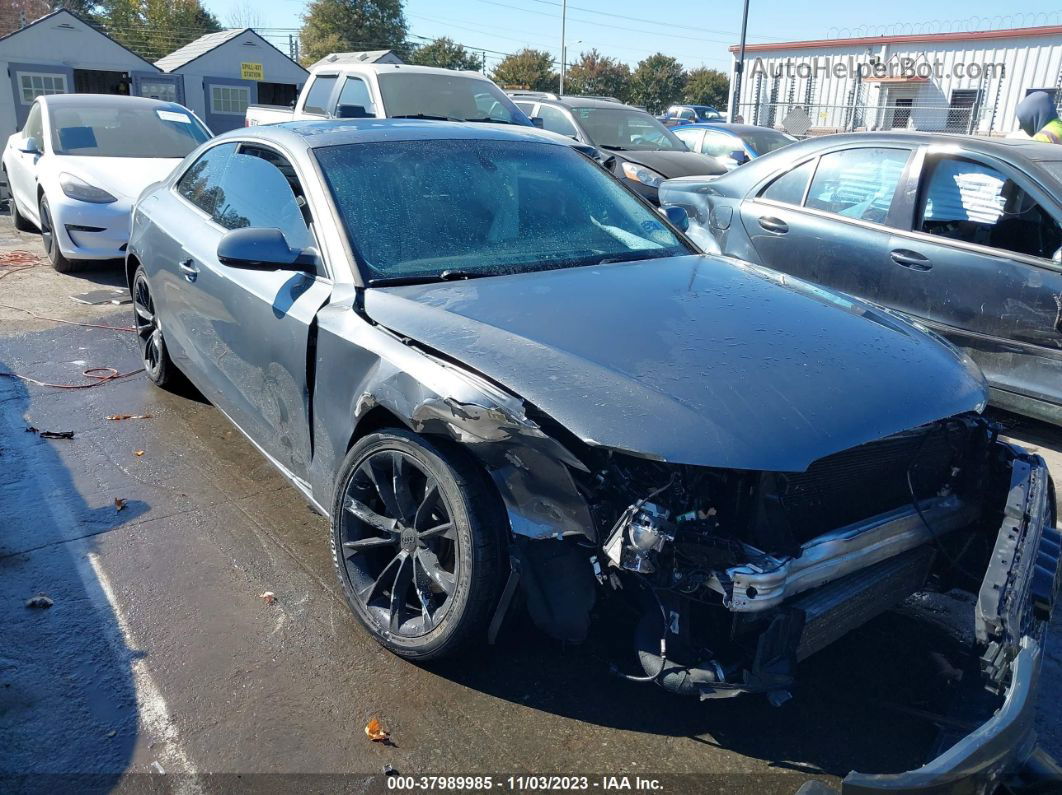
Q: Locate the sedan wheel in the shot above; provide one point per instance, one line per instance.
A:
(153, 354)
(414, 545)
(51, 245)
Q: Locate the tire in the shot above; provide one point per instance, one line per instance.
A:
(153, 355)
(51, 245)
(21, 222)
(448, 581)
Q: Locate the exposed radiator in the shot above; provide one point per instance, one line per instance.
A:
(839, 607)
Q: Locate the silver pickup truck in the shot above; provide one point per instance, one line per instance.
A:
(340, 90)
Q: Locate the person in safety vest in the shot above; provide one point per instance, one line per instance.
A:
(1038, 118)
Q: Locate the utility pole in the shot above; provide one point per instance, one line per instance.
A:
(564, 48)
(739, 69)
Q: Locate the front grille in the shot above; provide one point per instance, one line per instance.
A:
(871, 479)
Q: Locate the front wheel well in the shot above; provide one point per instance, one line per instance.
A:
(131, 264)
(376, 419)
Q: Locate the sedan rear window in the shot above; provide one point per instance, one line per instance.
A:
(125, 132)
(453, 208)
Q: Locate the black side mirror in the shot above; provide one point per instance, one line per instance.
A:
(539, 122)
(678, 217)
(256, 248)
(740, 156)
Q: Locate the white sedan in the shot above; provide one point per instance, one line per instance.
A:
(77, 166)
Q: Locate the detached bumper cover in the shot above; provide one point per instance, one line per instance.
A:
(1013, 609)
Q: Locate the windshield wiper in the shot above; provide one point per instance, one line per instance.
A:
(424, 116)
(634, 256)
(425, 278)
(613, 148)
(491, 121)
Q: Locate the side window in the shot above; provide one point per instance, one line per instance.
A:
(967, 201)
(790, 187)
(353, 96)
(858, 183)
(201, 183)
(690, 137)
(687, 114)
(259, 188)
(34, 127)
(526, 107)
(555, 121)
(719, 144)
(319, 92)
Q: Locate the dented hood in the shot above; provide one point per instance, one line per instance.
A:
(695, 360)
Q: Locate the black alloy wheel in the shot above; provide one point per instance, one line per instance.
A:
(153, 354)
(418, 566)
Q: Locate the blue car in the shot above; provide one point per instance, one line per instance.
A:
(732, 144)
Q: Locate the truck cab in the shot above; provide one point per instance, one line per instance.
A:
(356, 91)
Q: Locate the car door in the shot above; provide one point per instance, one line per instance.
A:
(22, 166)
(247, 332)
(981, 266)
(837, 231)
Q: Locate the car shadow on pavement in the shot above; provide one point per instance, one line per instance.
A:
(853, 707)
(68, 698)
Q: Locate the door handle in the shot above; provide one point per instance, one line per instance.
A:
(774, 225)
(910, 259)
(189, 269)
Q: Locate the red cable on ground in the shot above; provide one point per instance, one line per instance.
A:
(111, 375)
(69, 322)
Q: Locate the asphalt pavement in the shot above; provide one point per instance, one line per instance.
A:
(160, 660)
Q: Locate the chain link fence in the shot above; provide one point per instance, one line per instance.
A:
(802, 120)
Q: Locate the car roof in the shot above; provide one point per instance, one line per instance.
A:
(103, 101)
(318, 134)
(733, 129)
(999, 147)
(586, 102)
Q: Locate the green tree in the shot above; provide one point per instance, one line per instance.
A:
(707, 87)
(657, 82)
(446, 54)
(352, 25)
(528, 69)
(154, 28)
(598, 75)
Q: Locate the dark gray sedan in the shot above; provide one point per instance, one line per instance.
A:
(508, 380)
(962, 234)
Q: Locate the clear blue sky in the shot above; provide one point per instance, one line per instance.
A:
(697, 32)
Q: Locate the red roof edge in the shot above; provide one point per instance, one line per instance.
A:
(917, 38)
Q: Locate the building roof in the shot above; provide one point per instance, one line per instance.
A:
(364, 56)
(917, 38)
(79, 20)
(192, 50)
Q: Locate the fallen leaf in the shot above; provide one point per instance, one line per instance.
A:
(376, 732)
(138, 453)
(268, 598)
(40, 601)
(128, 417)
(119, 503)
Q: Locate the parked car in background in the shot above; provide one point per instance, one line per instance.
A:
(638, 149)
(732, 144)
(394, 91)
(500, 373)
(961, 233)
(678, 115)
(76, 167)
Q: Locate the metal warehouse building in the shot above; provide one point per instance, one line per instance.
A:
(60, 54)
(222, 73)
(964, 82)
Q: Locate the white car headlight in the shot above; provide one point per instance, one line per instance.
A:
(641, 174)
(77, 188)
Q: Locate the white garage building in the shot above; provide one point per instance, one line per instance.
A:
(954, 82)
(222, 73)
(60, 54)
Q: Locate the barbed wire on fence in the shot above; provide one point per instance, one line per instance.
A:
(971, 24)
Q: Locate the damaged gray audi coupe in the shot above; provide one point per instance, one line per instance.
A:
(508, 381)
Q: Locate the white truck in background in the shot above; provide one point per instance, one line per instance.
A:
(339, 89)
